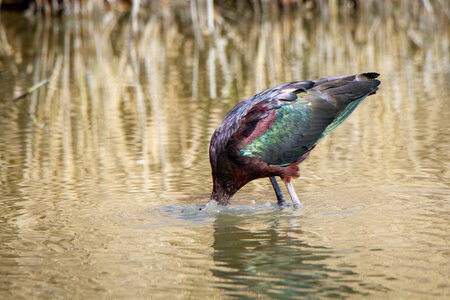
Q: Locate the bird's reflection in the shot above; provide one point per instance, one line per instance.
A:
(262, 254)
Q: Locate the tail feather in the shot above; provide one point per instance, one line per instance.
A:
(370, 75)
(350, 95)
(347, 89)
(352, 91)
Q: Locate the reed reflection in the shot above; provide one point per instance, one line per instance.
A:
(265, 255)
(112, 101)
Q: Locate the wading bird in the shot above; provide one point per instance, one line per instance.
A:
(269, 134)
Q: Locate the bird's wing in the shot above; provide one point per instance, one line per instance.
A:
(285, 128)
(241, 121)
(290, 130)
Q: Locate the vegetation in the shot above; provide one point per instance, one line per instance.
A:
(227, 7)
(150, 85)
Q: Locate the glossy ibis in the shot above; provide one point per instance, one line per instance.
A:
(269, 134)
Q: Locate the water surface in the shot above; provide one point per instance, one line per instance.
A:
(102, 170)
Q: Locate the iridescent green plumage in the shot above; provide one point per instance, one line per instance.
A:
(303, 121)
(290, 123)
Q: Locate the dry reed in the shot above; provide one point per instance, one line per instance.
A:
(143, 92)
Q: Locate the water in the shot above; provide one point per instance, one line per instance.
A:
(103, 170)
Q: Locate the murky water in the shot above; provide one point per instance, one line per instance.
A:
(103, 169)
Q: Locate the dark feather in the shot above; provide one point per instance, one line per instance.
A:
(301, 124)
(241, 119)
(318, 105)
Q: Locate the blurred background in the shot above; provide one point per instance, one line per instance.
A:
(100, 167)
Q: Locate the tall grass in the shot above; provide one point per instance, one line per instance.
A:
(142, 92)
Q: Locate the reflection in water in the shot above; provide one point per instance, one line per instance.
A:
(123, 127)
(146, 104)
(260, 255)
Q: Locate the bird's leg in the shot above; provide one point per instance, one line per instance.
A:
(292, 193)
(277, 190)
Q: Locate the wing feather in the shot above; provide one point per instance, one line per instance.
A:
(281, 124)
(299, 125)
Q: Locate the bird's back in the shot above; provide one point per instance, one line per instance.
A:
(286, 122)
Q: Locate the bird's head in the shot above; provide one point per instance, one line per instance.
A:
(225, 175)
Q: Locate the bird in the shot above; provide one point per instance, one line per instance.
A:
(272, 132)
